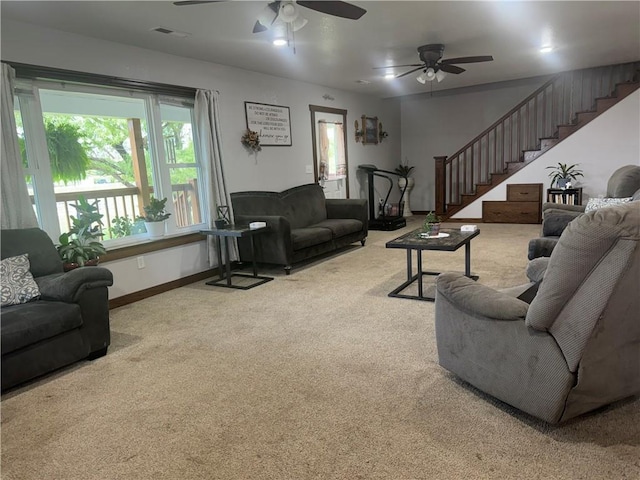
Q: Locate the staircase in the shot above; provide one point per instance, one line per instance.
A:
(561, 106)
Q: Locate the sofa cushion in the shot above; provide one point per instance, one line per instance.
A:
(305, 205)
(43, 256)
(18, 285)
(341, 226)
(310, 236)
(624, 181)
(32, 322)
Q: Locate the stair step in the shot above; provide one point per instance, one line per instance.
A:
(625, 88)
(605, 103)
(546, 143)
(586, 117)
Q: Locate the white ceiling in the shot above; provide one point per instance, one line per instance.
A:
(338, 53)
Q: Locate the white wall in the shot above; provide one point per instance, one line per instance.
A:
(600, 147)
(443, 122)
(274, 168)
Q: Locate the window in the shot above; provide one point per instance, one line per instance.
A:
(112, 146)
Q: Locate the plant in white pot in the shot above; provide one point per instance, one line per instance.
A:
(154, 217)
(405, 180)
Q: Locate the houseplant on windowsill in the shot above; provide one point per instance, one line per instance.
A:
(154, 217)
(404, 171)
(81, 246)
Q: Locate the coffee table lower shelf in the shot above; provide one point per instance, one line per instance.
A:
(427, 298)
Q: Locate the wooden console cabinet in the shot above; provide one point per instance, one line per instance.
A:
(523, 205)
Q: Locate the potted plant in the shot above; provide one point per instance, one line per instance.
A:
(431, 225)
(81, 246)
(154, 217)
(562, 174)
(405, 184)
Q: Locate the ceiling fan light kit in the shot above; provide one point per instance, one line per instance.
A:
(434, 67)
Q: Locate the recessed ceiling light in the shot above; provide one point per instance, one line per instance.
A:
(363, 82)
(389, 76)
(280, 42)
(546, 49)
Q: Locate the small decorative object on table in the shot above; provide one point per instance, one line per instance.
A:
(431, 224)
(223, 217)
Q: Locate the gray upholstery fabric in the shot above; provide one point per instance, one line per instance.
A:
(302, 223)
(624, 182)
(69, 322)
(578, 348)
(541, 247)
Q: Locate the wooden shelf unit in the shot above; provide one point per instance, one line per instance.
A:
(523, 205)
(566, 196)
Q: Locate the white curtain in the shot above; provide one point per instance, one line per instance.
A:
(17, 211)
(324, 151)
(341, 162)
(210, 147)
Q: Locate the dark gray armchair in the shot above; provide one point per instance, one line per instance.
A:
(70, 320)
(576, 346)
(623, 183)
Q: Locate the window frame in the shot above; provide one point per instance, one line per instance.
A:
(28, 92)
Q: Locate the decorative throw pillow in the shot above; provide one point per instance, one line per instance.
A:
(595, 203)
(18, 285)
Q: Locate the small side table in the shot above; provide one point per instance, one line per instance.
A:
(235, 231)
(566, 196)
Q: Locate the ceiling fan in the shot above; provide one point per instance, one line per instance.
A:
(286, 12)
(433, 67)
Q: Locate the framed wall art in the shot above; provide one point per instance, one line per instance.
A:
(272, 122)
(370, 130)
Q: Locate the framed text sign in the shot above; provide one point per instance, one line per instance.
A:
(272, 123)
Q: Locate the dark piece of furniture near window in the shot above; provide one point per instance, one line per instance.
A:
(523, 205)
(566, 196)
(235, 231)
(302, 223)
(453, 240)
(70, 320)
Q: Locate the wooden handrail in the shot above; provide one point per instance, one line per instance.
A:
(506, 116)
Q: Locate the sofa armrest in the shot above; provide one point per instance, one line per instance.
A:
(561, 206)
(541, 247)
(478, 299)
(555, 220)
(355, 208)
(69, 286)
(273, 246)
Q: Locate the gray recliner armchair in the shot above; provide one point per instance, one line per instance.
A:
(623, 183)
(576, 346)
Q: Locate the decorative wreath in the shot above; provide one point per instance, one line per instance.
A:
(251, 141)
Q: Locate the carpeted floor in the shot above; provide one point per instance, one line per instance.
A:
(316, 375)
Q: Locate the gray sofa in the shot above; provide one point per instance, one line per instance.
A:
(576, 346)
(70, 320)
(624, 182)
(302, 223)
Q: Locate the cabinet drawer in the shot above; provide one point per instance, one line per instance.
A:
(524, 192)
(510, 212)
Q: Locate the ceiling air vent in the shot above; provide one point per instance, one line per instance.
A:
(168, 31)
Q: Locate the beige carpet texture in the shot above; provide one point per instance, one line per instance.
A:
(315, 375)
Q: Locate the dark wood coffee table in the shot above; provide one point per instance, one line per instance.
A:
(413, 241)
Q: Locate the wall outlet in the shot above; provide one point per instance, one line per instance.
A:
(141, 264)
(309, 168)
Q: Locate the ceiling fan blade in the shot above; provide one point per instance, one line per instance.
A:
(410, 72)
(480, 58)
(400, 66)
(195, 2)
(451, 68)
(337, 9)
(258, 27)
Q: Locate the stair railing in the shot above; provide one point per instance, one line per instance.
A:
(523, 128)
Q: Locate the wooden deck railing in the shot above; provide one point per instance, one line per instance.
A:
(124, 202)
(537, 117)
